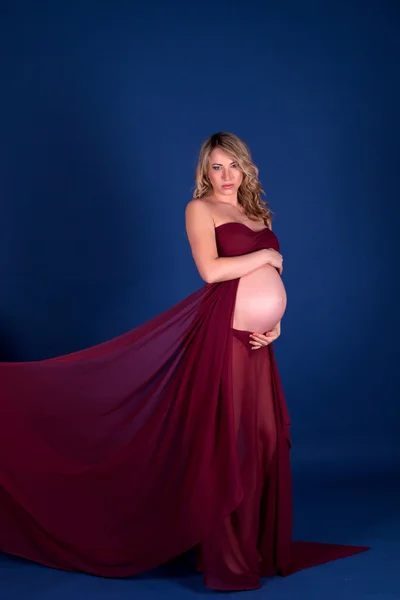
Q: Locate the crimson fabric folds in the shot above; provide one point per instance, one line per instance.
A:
(119, 457)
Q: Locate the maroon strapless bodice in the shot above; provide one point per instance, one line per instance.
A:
(235, 239)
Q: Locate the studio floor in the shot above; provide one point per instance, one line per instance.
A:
(361, 510)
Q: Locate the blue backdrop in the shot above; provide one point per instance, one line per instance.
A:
(103, 108)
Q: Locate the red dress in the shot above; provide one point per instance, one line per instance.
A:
(117, 458)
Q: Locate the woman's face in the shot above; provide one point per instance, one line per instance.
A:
(224, 173)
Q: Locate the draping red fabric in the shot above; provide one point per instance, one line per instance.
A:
(119, 457)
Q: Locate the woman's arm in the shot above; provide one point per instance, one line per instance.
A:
(212, 268)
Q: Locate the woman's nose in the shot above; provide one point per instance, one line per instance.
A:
(226, 174)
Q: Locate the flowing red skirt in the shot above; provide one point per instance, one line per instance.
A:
(255, 539)
(120, 457)
(243, 546)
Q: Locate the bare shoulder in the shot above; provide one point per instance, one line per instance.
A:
(199, 210)
(199, 206)
(201, 234)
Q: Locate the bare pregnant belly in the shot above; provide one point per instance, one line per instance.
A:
(260, 301)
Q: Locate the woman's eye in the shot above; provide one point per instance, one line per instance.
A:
(218, 167)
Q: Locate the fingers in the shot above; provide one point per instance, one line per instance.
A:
(257, 346)
(260, 337)
(259, 340)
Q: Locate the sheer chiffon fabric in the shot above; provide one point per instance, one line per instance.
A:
(175, 435)
(243, 547)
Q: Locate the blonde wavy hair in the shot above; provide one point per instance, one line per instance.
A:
(249, 193)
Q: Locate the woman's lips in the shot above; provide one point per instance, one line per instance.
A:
(228, 186)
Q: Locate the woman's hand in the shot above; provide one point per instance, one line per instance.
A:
(275, 259)
(259, 340)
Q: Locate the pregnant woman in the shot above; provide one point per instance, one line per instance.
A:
(174, 436)
(229, 230)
